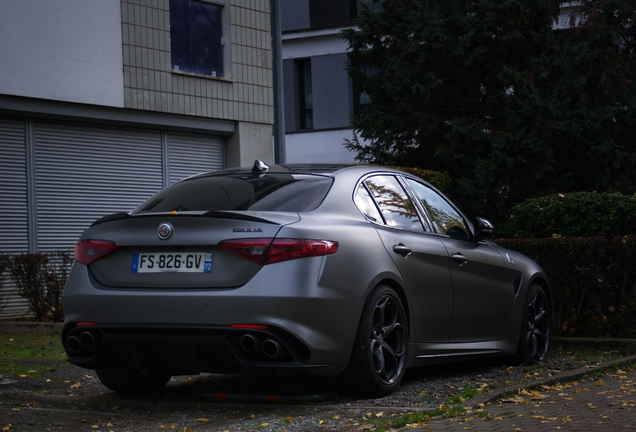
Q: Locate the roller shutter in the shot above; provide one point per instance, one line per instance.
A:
(84, 173)
(193, 154)
(14, 235)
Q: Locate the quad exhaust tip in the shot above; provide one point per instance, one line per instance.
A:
(249, 343)
(74, 345)
(84, 342)
(270, 348)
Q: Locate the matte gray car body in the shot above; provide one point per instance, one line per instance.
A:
(460, 296)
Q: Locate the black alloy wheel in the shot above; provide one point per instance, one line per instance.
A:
(378, 360)
(536, 328)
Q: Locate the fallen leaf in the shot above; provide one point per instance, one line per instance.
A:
(516, 400)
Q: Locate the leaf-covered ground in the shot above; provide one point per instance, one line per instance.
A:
(40, 391)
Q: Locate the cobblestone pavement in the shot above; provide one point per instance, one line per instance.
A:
(587, 404)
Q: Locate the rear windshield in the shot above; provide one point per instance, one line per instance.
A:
(272, 192)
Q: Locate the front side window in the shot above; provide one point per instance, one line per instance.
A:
(394, 203)
(445, 218)
(196, 37)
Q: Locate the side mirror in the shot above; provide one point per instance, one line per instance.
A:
(484, 230)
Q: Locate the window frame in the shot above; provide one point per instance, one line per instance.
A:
(426, 229)
(302, 66)
(225, 56)
(425, 219)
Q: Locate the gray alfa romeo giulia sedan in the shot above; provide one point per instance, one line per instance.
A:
(351, 271)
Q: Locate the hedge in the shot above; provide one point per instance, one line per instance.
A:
(579, 214)
(593, 282)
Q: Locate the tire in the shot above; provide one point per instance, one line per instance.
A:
(536, 328)
(132, 380)
(378, 359)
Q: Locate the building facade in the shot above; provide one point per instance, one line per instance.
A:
(319, 95)
(105, 102)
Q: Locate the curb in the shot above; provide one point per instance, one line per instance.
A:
(14, 327)
(572, 375)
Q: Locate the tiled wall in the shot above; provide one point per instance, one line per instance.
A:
(150, 84)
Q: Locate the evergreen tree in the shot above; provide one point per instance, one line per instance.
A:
(514, 98)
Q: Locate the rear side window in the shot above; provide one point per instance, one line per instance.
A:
(396, 207)
(272, 192)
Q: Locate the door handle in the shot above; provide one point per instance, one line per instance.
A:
(400, 249)
(459, 259)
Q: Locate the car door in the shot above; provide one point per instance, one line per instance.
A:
(481, 296)
(420, 256)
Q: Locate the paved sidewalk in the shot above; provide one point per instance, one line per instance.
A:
(586, 404)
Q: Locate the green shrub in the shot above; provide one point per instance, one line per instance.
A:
(40, 279)
(593, 282)
(580, 214)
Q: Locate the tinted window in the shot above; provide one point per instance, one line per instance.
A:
(366, 205)
(272, 192)
(195, 37)
(445, 218)
(396, 207)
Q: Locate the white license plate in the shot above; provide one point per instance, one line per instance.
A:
(182, 262)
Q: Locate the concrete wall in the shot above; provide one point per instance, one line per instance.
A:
(67, 50)
(319, 147)
(250, 141)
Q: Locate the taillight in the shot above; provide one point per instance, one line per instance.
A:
(87, 251)
(267, 251)
(288, 249)
(252, 249)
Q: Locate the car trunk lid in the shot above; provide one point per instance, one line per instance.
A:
(188, 255)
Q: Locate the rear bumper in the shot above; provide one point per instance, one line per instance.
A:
(184, 349)
(308, 323)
